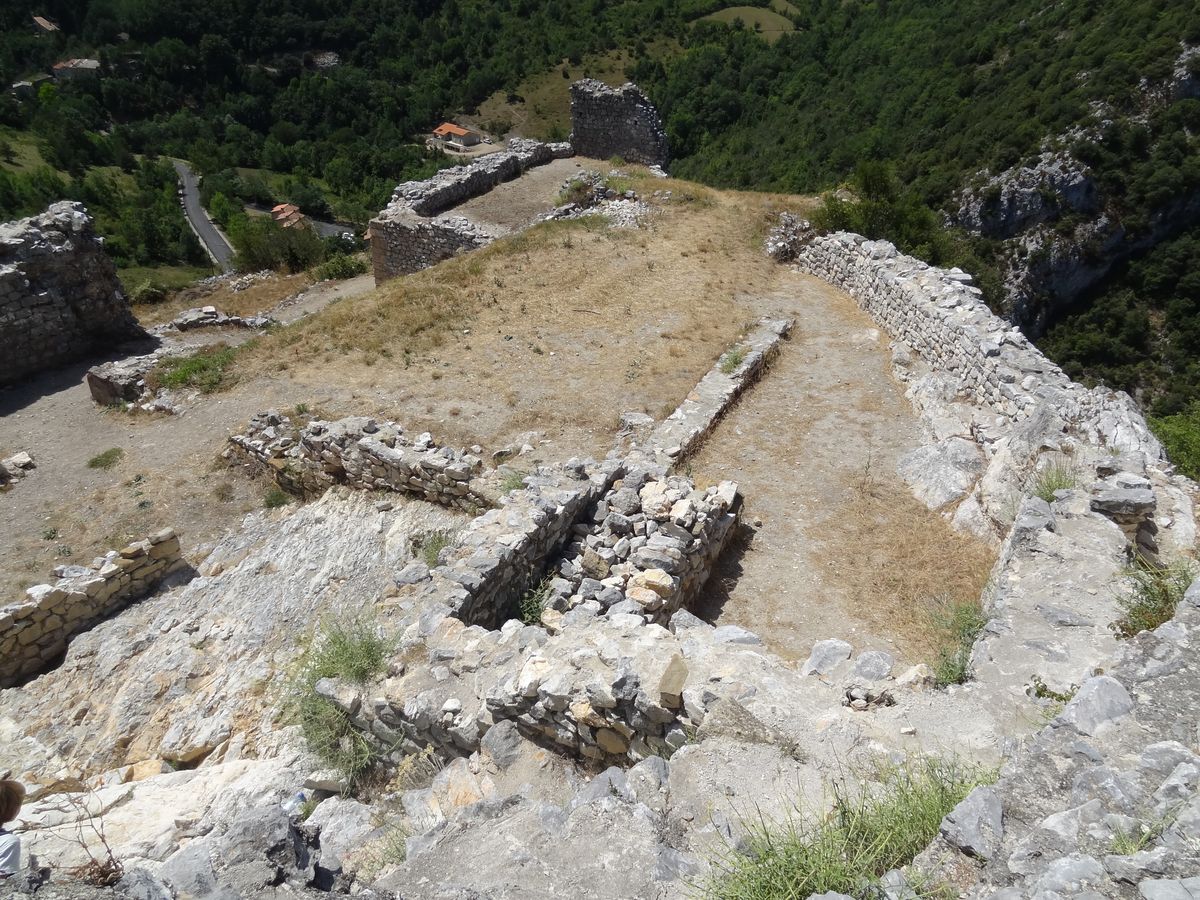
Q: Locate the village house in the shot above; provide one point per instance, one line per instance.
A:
(70, 69)
(288, 215)
(449, 133)
(43, 25)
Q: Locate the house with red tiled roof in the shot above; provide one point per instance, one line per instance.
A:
(449, 133)
(287, 215)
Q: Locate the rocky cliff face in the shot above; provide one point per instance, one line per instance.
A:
(1060, 233)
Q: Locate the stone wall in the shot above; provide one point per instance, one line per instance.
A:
(503, 553)
(35, 630)
(360, 452)
(941, 316)
(607, 122)
(406, 238)
(59, 293)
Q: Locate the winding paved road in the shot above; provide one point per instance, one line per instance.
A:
(218, 248)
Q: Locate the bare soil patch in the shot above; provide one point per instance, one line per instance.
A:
(555, 331)
(844, 550)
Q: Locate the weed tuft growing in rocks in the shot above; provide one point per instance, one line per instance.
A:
(275, 497)
(431, 544)
(530, 608)
(869, 832)
(1154, 592)
(732, 359)
(353, 652)
(1060, 475)
(958, 623)
(206, 369)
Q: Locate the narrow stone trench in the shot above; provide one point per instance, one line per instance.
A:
(813, 445)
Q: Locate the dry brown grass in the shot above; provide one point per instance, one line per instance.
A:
(254, 300)
(560, 328)
(894, 558)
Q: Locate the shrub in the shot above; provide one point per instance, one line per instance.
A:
(957, 624)
(340, 265)
(529, 610)
(275, 497)
(579, 191)
(1154, 592)
(867, 834)
(148, 292)
(1059, 475)
(1180, 434)
(354, 652)
(206, 369)
(107, 459)
(732, 359)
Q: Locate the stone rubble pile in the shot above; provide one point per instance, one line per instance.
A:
(608, 122)
(35, 630)
(648, 549)
(59, 293)
(211, 317)
(621, 210)
(306, 460)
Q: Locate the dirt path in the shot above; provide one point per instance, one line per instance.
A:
(813, 446)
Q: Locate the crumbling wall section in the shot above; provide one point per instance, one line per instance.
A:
(607, 122)
(405, 236)
(34, 631)
(59, 293)
(359, 452)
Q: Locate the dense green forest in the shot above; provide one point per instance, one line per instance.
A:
(904, 100)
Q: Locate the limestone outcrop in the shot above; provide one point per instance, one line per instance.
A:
(59, 293)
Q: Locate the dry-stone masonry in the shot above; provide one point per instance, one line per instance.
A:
(360, 452)
(35, 630)
(939, 314)
(607, 122)
(409, 235)
(59, 293)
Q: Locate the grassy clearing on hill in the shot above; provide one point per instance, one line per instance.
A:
(766, 23)
(540, 107)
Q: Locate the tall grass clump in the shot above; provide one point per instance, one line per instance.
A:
(732, 359)
(529, 609)
(352, 652)
(1059, 475)
(957, 623)
(866, 834)
(1154, 591)
(431, 544)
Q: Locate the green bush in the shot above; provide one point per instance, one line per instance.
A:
(339, 265)
(353, 652)
(275, 497)
(868, 833)
(1180, 435)
(1154, 591)
(107, 459)
(206, 369)
(148, 292)
(956, 623)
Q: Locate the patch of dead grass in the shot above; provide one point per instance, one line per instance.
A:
(895, 560)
